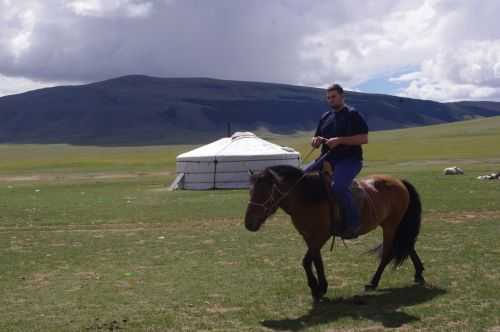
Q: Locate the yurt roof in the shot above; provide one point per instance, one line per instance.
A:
(240, 146)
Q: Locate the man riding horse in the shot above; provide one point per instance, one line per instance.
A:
(340, 133)
(391, 203)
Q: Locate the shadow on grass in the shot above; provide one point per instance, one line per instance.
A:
(382, 306)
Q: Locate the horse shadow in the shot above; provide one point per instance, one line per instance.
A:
(382, 306)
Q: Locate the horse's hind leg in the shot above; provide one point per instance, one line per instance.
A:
(419, 267)
(385, 259)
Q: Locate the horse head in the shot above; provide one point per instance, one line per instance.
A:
(264, 198)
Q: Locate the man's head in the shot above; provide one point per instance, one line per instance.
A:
(335, 96)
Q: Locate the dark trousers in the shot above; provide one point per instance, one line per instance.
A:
(344, 173)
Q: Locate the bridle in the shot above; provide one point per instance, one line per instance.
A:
(271, 203)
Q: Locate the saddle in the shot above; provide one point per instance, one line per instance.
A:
(337, 223)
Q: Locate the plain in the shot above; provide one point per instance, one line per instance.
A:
(91, 240)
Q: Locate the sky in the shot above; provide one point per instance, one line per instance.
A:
(443, 50)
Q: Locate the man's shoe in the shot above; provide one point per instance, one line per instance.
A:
(350, 233)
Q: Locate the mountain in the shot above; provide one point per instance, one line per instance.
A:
(133, 110)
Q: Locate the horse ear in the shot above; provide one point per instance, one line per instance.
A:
(276, 176)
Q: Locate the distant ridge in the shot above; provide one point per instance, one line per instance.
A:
(137, 110)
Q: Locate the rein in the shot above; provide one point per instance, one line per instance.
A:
(308, 155)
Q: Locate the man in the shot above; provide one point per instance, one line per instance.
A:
(341, 132)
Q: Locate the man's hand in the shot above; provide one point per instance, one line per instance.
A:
(333, 142)
(347, 140)
(317, 141)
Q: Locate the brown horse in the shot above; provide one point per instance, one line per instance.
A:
(388, 202)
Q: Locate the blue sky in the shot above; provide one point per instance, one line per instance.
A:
(433, 49)
(379, 85)
(385, 83)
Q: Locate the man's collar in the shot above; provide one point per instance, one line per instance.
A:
(344, 108)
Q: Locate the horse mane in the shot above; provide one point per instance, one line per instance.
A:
(288, 172)
(311, 185)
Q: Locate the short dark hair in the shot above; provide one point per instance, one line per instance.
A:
(336, 87)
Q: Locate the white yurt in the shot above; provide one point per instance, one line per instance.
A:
(225, 163)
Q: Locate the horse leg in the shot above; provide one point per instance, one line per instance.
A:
(311, 279)
(318, 265)
(419, 267)
(386, 258)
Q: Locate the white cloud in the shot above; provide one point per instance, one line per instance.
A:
(470, 71)
(102, 8)
(13, 85)
(21, 41)
(371, 46)
(452, 43)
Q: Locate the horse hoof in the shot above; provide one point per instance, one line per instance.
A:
(419, 280)
(323, 291)
(370, 287)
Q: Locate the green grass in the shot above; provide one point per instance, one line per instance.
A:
(80, 252)
(60, 157)
(474, 139)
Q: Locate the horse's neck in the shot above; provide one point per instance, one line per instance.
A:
(310, 219)
(290, 199)
(286, 204)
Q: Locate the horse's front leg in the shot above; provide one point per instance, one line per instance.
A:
(320, 271)
(318, 286)
(311, 279)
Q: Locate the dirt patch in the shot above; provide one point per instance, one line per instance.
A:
(450, 162)
(20, 178)
(159, 190)
(79, 177)
(204, 224)
(494, 329)
(131, 229)
(39, 280)
(88, 275)
(462, 217)
(218, 309)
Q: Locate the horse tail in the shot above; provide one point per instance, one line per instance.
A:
(409, 227)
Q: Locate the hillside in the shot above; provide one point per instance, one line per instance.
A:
(136, 110)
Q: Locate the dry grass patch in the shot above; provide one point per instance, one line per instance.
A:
(205, 224)
(494, 329)
(39, 280)
(218, 309)
(461, 217)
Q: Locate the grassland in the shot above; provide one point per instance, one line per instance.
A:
(90, 240)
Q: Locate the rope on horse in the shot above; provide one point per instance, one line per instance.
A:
(333, 242)
(308, 155)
